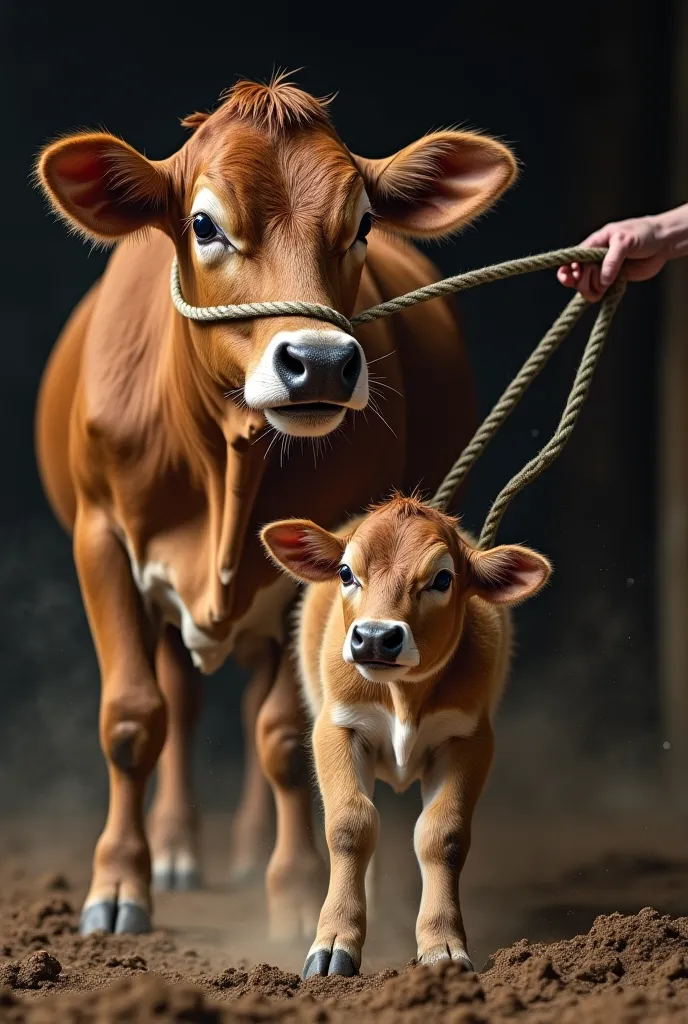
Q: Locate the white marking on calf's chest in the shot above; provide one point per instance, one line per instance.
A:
(400, 746)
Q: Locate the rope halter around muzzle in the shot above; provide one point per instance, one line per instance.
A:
(513, 394)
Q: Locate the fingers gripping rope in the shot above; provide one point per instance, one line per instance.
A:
(529, 371)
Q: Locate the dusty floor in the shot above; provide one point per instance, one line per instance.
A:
(528, 891)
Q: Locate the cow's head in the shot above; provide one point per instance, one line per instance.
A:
(265, 203)
(406, 575)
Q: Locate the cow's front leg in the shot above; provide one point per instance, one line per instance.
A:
(132, 726)
(173, 818)
(295, 877)
(252, 824)
(345, 774)
(451, 787)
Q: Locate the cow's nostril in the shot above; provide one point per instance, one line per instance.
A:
(352, 368)
(291, 362)
(393, 639)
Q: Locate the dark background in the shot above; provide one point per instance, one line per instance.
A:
(585, 100)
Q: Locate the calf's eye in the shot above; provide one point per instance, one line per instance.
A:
(346, 575)
(204, 229)
(442, 581)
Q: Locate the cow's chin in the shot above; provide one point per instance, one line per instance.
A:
(316, 419)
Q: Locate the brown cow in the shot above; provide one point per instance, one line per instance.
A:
(155, 434)
(403, 645)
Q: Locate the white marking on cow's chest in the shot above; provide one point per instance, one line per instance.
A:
(400, 747)
(265, 616)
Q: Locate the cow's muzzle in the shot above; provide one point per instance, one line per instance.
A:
(306, 380)
(319, 373)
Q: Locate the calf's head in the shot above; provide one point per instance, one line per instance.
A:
(406, 575)
(265, 203)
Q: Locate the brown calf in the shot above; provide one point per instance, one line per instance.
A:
(154, 432)
(403, 646)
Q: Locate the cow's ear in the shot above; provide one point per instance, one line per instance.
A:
(507, 574)
(103, 187)
(439, 183)
(303, 549)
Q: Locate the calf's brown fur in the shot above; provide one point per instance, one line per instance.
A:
(403, 645)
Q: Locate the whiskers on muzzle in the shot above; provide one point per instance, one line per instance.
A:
(306, 380)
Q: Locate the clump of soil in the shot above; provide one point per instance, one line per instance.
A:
(626, 969)
(31, 971)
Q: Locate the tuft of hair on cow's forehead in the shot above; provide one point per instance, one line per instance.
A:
(274, 107)
(272, 150)
(399, 530)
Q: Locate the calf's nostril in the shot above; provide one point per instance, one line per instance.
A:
(356, 638)
(393, 639)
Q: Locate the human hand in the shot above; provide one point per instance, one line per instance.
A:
(639, 242)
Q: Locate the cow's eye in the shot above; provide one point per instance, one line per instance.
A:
(346, 575)
(442, 581)
(204, 229)
(364, 228)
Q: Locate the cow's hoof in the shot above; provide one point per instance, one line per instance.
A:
(327, 962)
(445, 952)
(170, 874)
(125, 918)
(295, 894)
(244, 875)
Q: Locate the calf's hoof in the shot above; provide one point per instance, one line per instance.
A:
(445, 951)
(327, 962)
(176, 872)
(123, 918)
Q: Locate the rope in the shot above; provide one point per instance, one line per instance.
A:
(448, 286)
(579, 392)
(532, 367)
(251, 310)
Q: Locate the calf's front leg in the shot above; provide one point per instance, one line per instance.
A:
(345, 774)
(451, 787)
(132, 725)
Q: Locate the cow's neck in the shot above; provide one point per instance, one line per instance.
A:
(227, 446)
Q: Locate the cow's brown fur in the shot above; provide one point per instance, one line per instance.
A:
(431, 721)
(150, 456)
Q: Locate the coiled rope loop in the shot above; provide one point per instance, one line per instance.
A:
(529, 371)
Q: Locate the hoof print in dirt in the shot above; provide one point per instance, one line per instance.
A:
(126, 918)
(326, 962)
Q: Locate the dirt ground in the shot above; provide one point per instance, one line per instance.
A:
(561, 902)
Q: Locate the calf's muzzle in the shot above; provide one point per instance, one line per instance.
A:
(376, 642)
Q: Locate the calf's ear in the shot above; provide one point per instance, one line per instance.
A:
(103, 187)
(303, 549)
(437, 184)
(507, 574)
